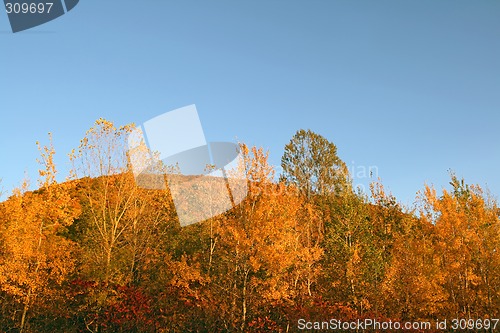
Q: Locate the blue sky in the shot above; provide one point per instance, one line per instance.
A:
(409, 87)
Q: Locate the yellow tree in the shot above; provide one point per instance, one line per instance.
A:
(467, 237)
(261, 260)
(122, 224)
(412, 286)
(109, 196)
(349, 246)
(36, 258)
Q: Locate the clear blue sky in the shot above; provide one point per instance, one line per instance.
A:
(411, 87)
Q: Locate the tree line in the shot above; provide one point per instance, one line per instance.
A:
(97, 253)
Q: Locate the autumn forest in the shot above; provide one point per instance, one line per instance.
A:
(97, 253)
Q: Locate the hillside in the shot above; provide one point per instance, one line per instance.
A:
(100, 254)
